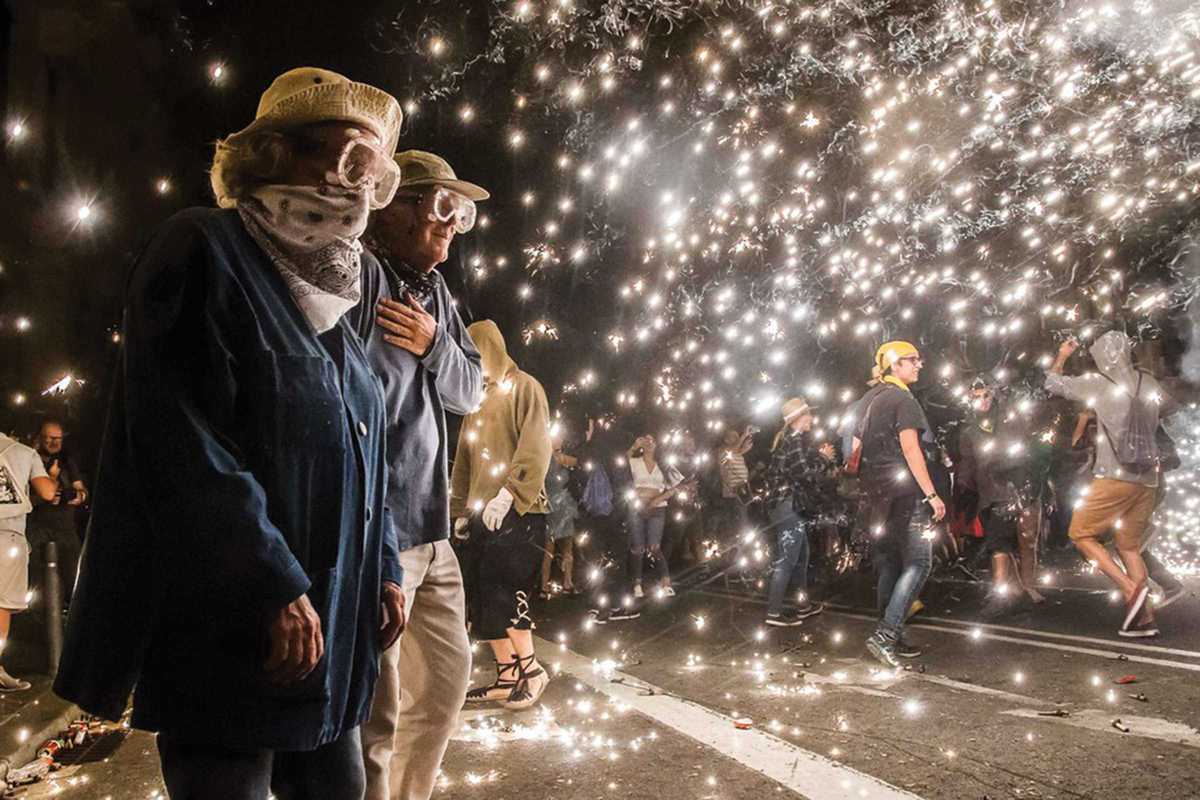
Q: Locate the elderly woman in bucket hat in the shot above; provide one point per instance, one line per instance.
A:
(240, 568)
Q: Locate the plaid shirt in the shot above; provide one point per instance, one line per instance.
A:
(797, 471)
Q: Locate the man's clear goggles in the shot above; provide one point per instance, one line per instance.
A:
(443, 205)
(363, 165)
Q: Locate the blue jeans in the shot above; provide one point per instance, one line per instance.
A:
(728, 520)
(645, 535)
(903, 558)
(791, 556)
(606, 556)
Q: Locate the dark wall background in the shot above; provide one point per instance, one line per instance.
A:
(117, 95)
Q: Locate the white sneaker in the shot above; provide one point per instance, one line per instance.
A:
(10, 684)
(668, 591)
(638, 593)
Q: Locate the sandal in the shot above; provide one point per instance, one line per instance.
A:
(500, 689)
(529, 685)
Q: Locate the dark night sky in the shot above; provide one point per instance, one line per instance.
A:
(120, 94)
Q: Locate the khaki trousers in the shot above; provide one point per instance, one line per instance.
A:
(422, 681)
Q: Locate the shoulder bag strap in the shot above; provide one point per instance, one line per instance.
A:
(862, 427)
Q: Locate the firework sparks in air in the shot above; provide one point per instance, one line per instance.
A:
(766, 191)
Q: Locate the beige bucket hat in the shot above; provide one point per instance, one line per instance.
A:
(307, 95)
(419, 169)
(795, 407)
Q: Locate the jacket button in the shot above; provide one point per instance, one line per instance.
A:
(362, 428)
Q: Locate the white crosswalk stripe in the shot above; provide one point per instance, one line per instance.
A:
(804, 772)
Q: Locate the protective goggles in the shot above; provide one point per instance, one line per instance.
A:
(363, 165)
(443, 205)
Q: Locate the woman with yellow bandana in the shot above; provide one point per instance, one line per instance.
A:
(898, 487)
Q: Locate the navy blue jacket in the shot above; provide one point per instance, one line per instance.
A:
(241, 467)
(418, 392)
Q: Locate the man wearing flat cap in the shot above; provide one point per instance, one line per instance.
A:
(421, 351)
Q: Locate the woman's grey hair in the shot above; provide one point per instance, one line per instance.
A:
(257, 159)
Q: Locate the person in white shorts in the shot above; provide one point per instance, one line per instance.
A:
(20, 470)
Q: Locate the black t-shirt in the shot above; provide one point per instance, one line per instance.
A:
(60, 516)
(887, 410)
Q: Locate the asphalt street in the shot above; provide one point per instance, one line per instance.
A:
(698, 699)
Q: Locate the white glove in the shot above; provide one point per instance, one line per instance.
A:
(496, 509)
(460, 527)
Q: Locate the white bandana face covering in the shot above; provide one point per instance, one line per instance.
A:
(311, 234)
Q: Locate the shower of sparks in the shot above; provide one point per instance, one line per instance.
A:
(767, 191)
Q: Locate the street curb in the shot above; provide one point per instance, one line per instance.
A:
(44, 717)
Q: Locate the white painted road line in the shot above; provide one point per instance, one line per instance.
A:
(1123, 644)
(982, 631)
(1096, 720)
(942, 680)
(808, 774)
(1040, 587)
(1067, 648)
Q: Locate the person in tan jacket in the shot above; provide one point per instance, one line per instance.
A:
(498, 491)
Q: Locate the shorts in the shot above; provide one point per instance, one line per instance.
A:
(999, 530)
(14, 571)
(1109, 502)
(506, 564)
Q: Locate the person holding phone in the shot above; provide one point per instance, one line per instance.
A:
(648, 513)
(801, 479)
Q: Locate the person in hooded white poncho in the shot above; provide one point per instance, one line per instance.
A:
(1118, 500)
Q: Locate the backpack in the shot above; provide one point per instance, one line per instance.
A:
(597, 500)
(1168, 453)
(1136, 448)
(854, 460)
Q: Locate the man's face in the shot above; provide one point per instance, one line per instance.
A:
(50, 440)
(410, 235)
(908, 368)
(982, 400)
